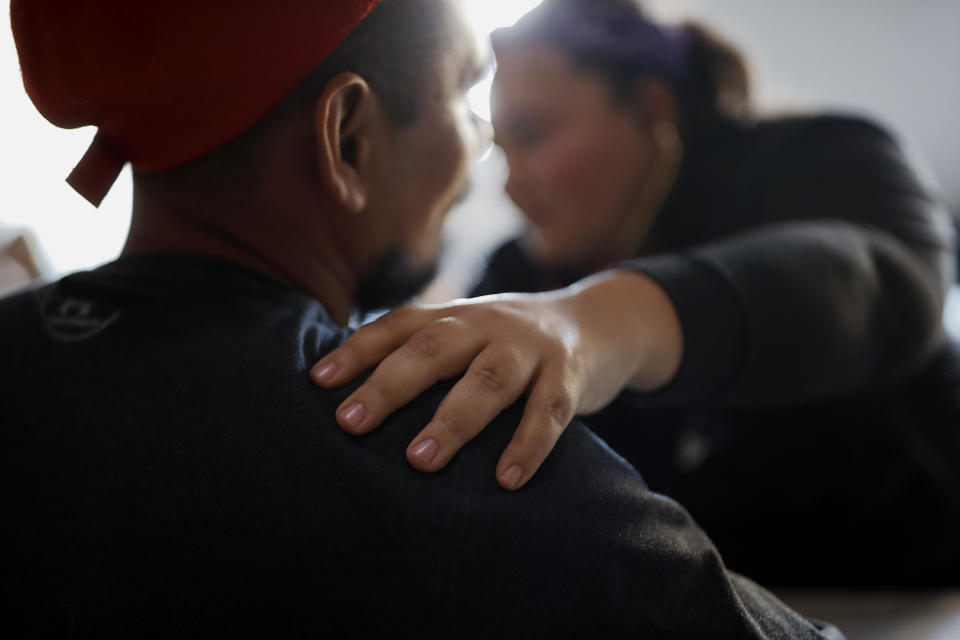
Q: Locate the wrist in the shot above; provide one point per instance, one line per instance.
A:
(638, 320)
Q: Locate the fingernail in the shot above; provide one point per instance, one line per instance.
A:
(426, 451)
(353, 415)
(325, 372)
(511, 477)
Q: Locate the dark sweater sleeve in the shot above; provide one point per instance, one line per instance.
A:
(836, 288)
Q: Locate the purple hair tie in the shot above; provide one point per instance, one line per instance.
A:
(610, 32)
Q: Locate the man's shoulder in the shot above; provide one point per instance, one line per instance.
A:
(129, 352)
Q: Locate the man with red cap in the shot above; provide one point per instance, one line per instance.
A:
(170, 471)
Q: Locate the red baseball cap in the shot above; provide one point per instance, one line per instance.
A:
(168, 81)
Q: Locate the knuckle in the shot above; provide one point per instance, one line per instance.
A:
(490, 378)
(360, 344)
(375, 387)
(354, 356)
(425, 344)
(559, 410)
(449, 323)
(395, 321)
(389, 322)
(496, 313)
(451, 425)
(558, 346)
(347, 352)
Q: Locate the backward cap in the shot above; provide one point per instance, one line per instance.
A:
(168, 81)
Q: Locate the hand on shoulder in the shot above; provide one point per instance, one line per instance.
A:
(571, 351)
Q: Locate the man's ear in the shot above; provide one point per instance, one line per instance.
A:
(343, 122)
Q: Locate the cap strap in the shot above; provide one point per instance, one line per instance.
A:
(97, 170)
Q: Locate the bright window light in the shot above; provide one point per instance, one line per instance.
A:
(485, 16)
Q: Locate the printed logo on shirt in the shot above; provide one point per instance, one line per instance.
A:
(72, 319)
(694, 445)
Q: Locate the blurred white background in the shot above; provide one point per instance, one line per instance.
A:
(893, 60)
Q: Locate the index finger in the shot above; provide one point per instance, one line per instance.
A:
(368, 345)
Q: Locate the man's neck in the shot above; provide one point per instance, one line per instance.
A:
(256, 239)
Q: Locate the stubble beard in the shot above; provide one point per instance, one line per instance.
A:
(394, 281)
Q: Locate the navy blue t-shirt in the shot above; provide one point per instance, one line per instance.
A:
(169, 470)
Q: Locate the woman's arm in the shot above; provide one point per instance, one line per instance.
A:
(837, 289)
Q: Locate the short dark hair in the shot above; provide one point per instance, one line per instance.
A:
(393, 49)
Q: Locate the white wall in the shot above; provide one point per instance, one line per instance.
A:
(897, 60)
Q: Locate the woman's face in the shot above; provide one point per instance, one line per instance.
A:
(578, 158)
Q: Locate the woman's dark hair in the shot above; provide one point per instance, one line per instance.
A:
(616, 39)
(719, 82)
